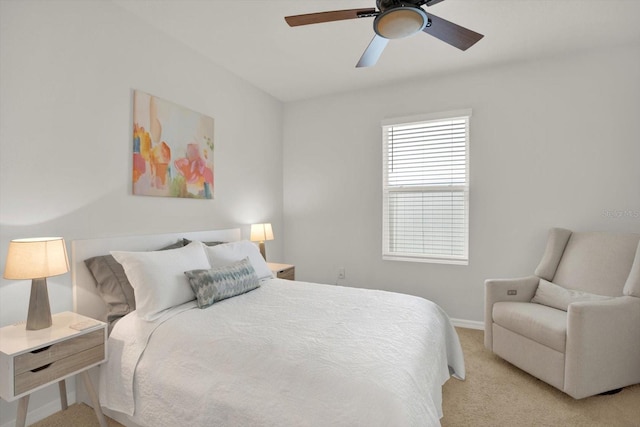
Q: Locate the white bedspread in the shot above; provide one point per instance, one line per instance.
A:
(285, 354)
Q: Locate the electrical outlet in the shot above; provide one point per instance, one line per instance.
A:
(512, 292)
(341, 274)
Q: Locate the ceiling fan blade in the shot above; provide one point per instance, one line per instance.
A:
(451, 33)
(372, 52)
(336, 15)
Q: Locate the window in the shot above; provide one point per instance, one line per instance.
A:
(426, 188)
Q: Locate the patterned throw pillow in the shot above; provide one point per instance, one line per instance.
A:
(224, 282)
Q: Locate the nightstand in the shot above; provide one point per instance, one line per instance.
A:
(31, 360)
(283, 271)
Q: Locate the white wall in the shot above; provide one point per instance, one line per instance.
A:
(553, 143)
(67, 71)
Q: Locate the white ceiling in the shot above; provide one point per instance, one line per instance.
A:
(251, 39)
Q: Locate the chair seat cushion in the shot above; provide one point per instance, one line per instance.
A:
(545, 325)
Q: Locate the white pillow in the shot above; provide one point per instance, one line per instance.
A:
(556, 296)
(158, 278)
(228, 253)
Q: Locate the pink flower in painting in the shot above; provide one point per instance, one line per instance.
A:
(194, 167)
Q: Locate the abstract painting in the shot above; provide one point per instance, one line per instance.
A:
(172, 149)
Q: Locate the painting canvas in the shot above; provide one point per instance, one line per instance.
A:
(172, 149)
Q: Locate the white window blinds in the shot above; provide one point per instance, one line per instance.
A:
(426, 188)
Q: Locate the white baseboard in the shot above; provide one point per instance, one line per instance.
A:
(469, 324)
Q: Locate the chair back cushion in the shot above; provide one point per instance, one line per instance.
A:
(597, 262)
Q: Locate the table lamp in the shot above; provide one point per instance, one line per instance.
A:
(260, 233)
(36, 259)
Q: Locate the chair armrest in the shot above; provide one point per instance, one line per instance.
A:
(603, 346)
(497, 290)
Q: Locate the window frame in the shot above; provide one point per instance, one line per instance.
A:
(387, 254)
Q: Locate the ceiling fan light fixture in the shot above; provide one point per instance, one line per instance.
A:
(399, 22)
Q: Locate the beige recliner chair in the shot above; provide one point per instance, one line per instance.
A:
(581, 332)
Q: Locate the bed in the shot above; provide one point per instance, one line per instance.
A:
(282, 353)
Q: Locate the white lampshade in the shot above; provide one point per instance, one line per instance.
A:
(261, 232)
(36, 258)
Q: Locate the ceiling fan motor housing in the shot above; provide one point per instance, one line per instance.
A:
(399, 19)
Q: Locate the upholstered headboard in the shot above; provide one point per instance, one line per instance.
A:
(86, 299)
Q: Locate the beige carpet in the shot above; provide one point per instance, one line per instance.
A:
(78, 415)
(494, 394)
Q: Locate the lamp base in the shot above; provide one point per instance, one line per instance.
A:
(262, 250)
(39, 316)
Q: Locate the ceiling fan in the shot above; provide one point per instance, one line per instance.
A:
(395, 19)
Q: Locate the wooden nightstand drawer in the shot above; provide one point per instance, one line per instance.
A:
(283, 271)
(38, 358)
(31, 379)
(288, 274)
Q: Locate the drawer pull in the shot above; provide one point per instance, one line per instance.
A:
(42, 367)
(40, 350)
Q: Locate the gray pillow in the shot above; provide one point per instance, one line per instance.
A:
(217, 284)
(176, 245)
(113, 285)
(556, 296)
(187, 241)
